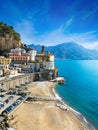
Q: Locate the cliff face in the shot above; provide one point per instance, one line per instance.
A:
(8, 37)
(7, 42)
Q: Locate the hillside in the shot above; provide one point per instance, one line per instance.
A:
(69, 50)
(9, 38)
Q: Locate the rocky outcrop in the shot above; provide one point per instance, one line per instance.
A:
(8, 37)
(7, 42)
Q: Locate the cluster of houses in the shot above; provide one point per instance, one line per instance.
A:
(26, 62)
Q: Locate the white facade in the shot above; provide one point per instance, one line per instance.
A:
(18, 51)
(37, 66)
(51, 58)
(1, 72)
(50, 62)
(50, 65)
(32, 54)
(12, 72)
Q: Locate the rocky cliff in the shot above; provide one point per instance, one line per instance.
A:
(8, 37)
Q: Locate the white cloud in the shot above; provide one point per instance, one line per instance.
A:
(87, 39)
(66, 25)
(26, 29)
(30, 35)
(91, 45)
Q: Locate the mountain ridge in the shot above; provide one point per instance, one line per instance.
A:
(69, 50)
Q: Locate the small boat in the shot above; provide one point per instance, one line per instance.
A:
(60, 80)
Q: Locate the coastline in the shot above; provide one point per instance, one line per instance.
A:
(82, 118)
(50, 115)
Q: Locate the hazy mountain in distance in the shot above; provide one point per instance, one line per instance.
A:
(69, 50)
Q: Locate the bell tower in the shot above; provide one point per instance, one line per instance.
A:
(42, 52)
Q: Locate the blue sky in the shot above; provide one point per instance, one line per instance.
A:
(51, 22)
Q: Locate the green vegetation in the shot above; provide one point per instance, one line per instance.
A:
(6, 29)
(4, 53)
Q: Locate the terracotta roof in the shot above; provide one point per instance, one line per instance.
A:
(40, 55)
(50, 55)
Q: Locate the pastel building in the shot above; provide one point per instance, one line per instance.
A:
(32, 54)
(45, 61)
(4, 62)
(1, 72)
(50, 62)
(17, 51)
(32, 60)
(20, 56)
(17, 59)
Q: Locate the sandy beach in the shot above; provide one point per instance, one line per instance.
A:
(44, 115)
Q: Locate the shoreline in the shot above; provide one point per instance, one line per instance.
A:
(79, 115)
(51, 114)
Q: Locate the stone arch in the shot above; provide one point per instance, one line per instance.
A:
(37, 77)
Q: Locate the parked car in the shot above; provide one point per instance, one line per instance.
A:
(11, 107)
(7, 100)
(2, 105)
(2, 96)
(8, 109)
(15, 104)
(11, 97)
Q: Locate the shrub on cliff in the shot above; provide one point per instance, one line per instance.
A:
(6, 29)
(9, 39)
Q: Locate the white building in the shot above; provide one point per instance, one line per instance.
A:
(1, 72)
(17, 51)
(50, 62)
(49, 65)
(32, 54)
(44, 61)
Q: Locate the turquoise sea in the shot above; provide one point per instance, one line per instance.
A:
(81, 89)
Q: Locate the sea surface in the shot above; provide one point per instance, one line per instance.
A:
(81, 88)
